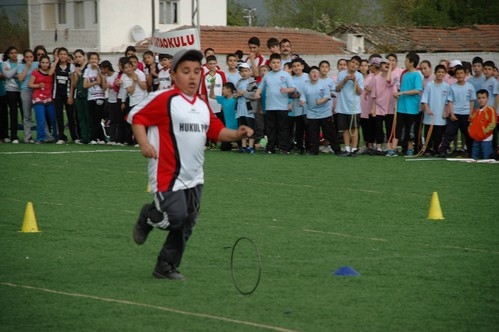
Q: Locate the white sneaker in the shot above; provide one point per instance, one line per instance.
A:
(7, 140)
(60, 142)
(29, 141)
(101, 142)
(92, 142)
(111, 143)
(16, 141)
(77, 141)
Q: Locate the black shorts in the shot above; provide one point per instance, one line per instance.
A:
(347, 121)
(245, 121)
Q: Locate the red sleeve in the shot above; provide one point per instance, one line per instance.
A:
(216, 126)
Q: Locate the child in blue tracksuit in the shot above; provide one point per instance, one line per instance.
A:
(317, 97)
(278, 84)
(246, 105)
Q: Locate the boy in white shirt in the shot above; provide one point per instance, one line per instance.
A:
(164, 77)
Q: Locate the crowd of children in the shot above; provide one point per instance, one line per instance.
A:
(293, 107)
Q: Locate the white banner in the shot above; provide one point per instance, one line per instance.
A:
(172, 41)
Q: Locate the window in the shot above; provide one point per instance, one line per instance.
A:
(79, 15)
(61, 12)
(168, 12)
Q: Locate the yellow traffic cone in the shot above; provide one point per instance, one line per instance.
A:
(29, 223)
(435, 212)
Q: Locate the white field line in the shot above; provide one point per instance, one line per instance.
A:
(66, 152)
(385, 240)
(345, 235)
(149, 306)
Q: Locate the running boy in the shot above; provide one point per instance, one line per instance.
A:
(178, 123)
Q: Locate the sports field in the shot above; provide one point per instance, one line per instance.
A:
(307, 215)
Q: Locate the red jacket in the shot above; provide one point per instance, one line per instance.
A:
(482, 123)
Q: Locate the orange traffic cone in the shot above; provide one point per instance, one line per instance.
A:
(435, 212)
(29, 222)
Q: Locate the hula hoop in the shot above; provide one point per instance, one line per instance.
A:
(239, 289)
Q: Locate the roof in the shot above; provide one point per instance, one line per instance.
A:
(228, 39)
(481, 38)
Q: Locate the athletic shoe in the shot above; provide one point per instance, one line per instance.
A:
(242, 150)
(409, 153)
(29, 141)
(165, 270)
(60, 142)
(345, 154)
(101, 142)
(92, 142)
(16, 141)
(142, 228)
(77, 141)
(250, 150)
(391, 153)
(7, 140)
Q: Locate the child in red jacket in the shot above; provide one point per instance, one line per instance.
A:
(483, 120)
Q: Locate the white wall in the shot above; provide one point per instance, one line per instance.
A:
(113, 33)
(116, 22)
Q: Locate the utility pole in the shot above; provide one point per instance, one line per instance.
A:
(195, 13)
(250, 14)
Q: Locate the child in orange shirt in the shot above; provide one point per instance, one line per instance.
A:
(483, 120)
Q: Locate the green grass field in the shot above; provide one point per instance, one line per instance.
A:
(308, 215)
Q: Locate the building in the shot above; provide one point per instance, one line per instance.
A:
(109, 26)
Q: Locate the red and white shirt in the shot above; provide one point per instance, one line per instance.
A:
(178, 126)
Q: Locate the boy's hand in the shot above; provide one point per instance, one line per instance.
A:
(244, 132)
(148, 151)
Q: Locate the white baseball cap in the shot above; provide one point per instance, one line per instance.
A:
(455, 63)
(186, 52)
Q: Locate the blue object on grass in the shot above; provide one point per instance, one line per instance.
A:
(346, 271)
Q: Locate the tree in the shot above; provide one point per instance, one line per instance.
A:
(442, 13)
(14, 34)
(320, 15)
(235, 14)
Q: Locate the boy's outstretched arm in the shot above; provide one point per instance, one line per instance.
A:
(230, 135)
(147, 150)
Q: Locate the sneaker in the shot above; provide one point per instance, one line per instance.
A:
(409, 153)
(101, 142)
(60, 142)
(242, 150)
(7, 140)
(391, 153)
(29, 141)
(142, 228)
(77, 141)
(165, 270)
(16, 141)
(250, 150)
(354, 153)
(345, 154)
(92, 142)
